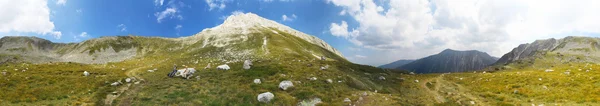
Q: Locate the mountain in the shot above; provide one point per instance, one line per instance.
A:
(571, 48)
(451, 61)
(36, 71)
(396, 64)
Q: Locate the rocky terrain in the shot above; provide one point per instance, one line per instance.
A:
(450, 61)
(573, 45)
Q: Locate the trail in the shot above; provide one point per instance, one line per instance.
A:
(444, 90)
(126, 99)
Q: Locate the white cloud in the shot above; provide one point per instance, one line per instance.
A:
(286, 18)
(78, 10)
(83, 34)
(61, 2)
(216, 4)
(170, 12)
(122, 27)
(417, 28)
(159, 2)
(178, 27)
(28, 16)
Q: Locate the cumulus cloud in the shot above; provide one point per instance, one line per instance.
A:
(61, 2)
(83, 34)
(286, 18)
(417, 28)
(216, 4)
(178, 27)
(122, 27)
(159, 2)
(28, 16)
(170, 12)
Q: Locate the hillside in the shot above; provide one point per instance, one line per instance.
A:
(396, 64)
(40, 72)
(450, 61)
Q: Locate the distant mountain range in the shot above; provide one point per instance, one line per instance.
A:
(450, 61)
(396, 64)
(568, 49)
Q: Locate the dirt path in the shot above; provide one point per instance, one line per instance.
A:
(438, 98)
(133, 73)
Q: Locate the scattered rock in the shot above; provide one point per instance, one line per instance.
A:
(323, 58)
(484, 72)
(545, 87)
(516, 91)
(412, 73)
(548, 70)
(365, 94)
(223, 67)
(115, 84)
(381, 78)
(136, 82)
(324, 67)
(567, 73)
(4, 73)
(347, 100)
(247, 64)
(257, 81)
(313, 78)
(329, 81)
(150, 70)
(284, 85)
(416, 80)
(265, 97)
(128, 80)
(540, 79)
(122, 69)
(85, 73)
(472, 102)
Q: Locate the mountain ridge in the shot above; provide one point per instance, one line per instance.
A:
(450, 61)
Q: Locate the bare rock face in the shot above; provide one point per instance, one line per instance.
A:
(527, 50)
(571, 45)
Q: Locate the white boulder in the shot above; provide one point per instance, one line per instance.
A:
(207, 66)
(329, 81)
(85, 73)
(115, 84)
(284, 85)
(381, 78)
(223, 67)
(150, 70)
(548, 70)
(311, 102)
(416, 80)
(128, 80)
(265, 97)
(257, 81)
(313, 78)
(247, 64)
(347, 100)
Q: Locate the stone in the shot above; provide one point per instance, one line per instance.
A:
(128, 80)
(412, 73)
(150, 70)
(416, 80)
(247, 64)
(347, 100)
(381, 78)
(115, 84)
(257, 81)
(207, 66)
(548, 70)
(85, 73)
(472, 102)
(284, 85)
(313, 78)
(223, 67)
(265, 97)
(567, 73)
(329, 81)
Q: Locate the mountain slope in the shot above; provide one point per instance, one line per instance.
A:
(572, 48)
(450, 61)
(396, 64)
(278, 55)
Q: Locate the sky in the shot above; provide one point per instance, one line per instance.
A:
(372, 32)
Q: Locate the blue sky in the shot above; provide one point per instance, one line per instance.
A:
(372, 32)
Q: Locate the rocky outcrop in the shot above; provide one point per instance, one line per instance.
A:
(527, 50)
(571, 45)
(451, 61)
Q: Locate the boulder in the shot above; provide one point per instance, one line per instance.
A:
(381, 78)
(329, 81)
(284, 85)
(128, 80)
(265, 97)
(548, 70)
(4, 73)
(115, 84)
(257, 81)
(223, 67)
(207, 66)
(323, 58)
(416, 80)
(85, 73)
(150, 70)
(313, 78)
(247, 64)
(347, 100)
